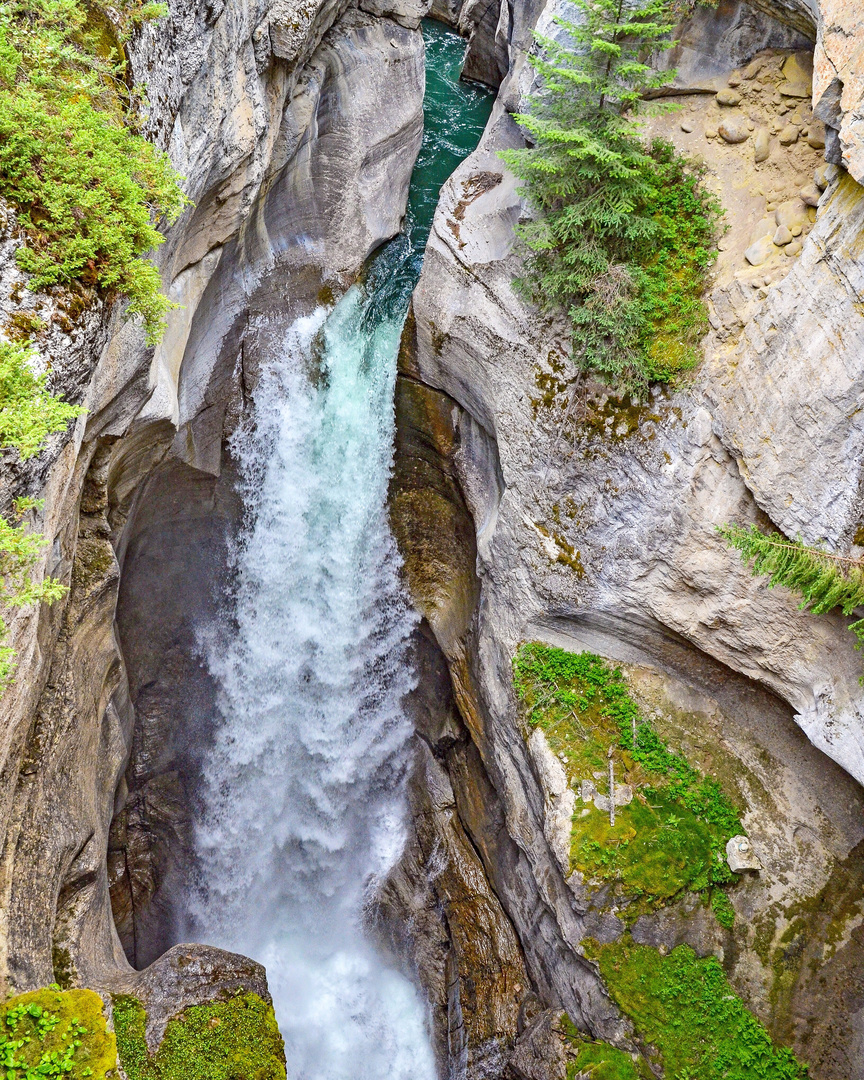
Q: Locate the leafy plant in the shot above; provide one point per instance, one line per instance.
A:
(686, 1008)
(28, 412)
(673, 834)
(823, 580)
(19, 553)
(87, 189)
(623, 234)
(721, 905)
(53, 1033)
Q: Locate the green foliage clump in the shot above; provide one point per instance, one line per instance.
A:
(237, 1039)
(672, 836)
(685, 1007)
(28, 412)
(87, 188)
(59, 1033)
(19, 552)
(601, 1061)
(721, 905)
(624, 232)
(823, 580)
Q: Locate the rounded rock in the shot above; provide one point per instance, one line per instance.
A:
(760, 251)
(783, 236)
(788, 135)
(810, 195)
(733, 130)
(761, 145)
(728, 98)
(793, 249)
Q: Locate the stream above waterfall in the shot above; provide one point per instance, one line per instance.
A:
(302, 805)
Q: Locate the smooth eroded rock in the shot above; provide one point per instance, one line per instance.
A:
(733, 130)
(760, 251)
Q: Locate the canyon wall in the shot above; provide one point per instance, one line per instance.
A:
(522, 514)
(530, 506)
(296, 127)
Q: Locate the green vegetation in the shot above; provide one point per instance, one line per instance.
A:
(672, 836)
(624, 232)
(28, 412)
(825, 581)
(19, 552)
(686, 1008)
(722, 908)
(601, 1061)
(86, 188)
(60, 1033)
(236, 1039)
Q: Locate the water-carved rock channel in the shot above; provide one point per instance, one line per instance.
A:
(362, 565)
(298, 799)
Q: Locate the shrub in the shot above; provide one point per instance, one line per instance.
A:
(19, 552)
(28, 412)
(87, 189)
(623, 234)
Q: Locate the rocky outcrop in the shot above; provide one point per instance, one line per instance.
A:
(296, 127)
(531, 505)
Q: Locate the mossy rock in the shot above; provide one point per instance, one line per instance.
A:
(56, 1033)
(685, 1007)
(671, 837)
(237, 1039)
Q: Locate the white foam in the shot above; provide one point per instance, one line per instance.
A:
(303, 801)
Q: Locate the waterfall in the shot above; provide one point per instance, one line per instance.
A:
(302, 801)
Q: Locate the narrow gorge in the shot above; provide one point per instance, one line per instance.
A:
(401, 706)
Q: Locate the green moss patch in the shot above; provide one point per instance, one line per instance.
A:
(601, 1061)
(59, 1033)
(685, 1007)
(672, 836)
(236, 1039)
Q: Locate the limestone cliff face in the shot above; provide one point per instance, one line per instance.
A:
(296, 126)
(525, 512)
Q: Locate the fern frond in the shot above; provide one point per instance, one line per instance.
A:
(824, 580)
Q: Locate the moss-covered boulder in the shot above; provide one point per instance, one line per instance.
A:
(234, 1039)
(56, 1033)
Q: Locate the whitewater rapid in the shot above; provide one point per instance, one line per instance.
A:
(302, 802)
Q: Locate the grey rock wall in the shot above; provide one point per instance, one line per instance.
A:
(594, 528)
(296, 126)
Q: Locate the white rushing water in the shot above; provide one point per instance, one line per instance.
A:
(303, 802)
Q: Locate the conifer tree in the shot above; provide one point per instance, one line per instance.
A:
(598, 190)
(823, 580)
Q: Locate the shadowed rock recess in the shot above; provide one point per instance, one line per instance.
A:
(296, 124)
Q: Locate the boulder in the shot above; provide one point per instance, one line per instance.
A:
(734, 129)
(761, 145)
(810, 195)
(760, 251)
(816, 134)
